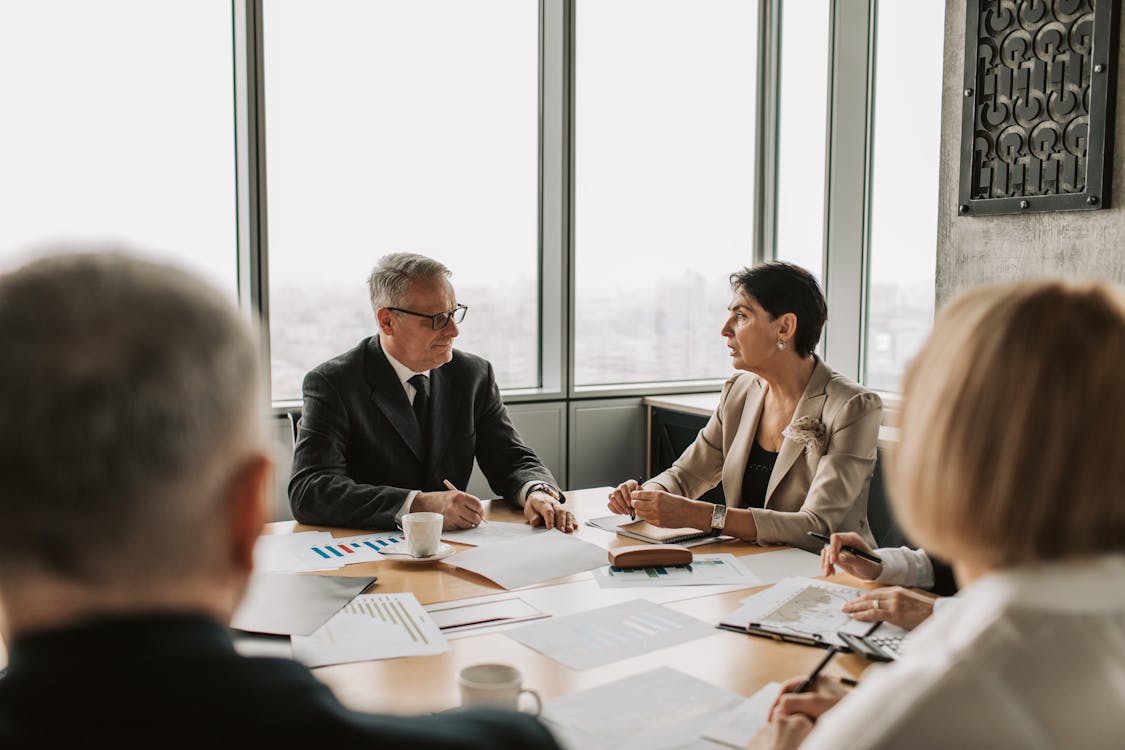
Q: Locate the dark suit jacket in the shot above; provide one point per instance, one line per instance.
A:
(360, 453)
(160, 680)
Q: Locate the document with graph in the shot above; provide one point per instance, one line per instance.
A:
(714, 570)
(799, 610)
(372, 626)
(609, 634)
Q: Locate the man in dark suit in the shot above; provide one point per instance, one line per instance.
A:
(134, 467)
(392, 426)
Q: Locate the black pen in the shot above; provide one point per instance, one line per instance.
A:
(849, 548)
(809, 683)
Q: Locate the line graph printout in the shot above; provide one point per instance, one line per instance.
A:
(372, 626)
(609, 634)
(703, 570)
(801, 607)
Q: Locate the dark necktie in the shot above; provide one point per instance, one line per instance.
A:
(421, 385)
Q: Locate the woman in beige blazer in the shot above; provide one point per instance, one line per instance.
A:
(793, 443)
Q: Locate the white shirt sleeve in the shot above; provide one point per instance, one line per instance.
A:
(405, 508)
(903, 566)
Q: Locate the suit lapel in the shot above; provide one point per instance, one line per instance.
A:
(390, 398)
(810, 405)
(738, 452)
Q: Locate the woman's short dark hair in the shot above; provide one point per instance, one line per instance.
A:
(785, 288)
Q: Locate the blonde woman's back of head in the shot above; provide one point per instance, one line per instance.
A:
(1013, 434)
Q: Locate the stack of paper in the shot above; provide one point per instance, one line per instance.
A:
(491, 533)
(531, 559)
(602, 636)
(657, 710)
(372, 626)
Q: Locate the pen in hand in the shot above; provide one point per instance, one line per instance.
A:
(810, 682)
(449, 486)
(849, 548)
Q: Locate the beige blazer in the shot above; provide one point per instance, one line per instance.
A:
(811, 488)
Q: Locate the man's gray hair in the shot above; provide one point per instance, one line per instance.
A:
(129, 394)
(390, 281)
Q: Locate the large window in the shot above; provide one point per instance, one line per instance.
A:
(407, 125)
(802, 132)
(904, 187)
(664, 183)
(117, 126)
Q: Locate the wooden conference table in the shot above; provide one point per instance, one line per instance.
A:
(422, 684)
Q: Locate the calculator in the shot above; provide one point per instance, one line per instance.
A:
(876, 646)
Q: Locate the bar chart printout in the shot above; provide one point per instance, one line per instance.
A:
(372, 626)
(602, 636)
(354, 549)
(720, 569)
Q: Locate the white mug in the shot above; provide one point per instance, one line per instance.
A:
(494, 686)
(423, 533)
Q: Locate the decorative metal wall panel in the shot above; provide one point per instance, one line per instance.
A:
(1037, 113)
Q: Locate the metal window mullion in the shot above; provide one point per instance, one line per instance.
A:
(250, 169)
(766, 137)
(845, 264)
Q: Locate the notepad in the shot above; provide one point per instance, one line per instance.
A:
(646, 532)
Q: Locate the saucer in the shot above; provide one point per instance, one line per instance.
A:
(443, 551)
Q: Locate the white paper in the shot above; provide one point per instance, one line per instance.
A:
(656, 710)
(287, 603)
(353, 549)
(282, 553)
(456, 616)
(603, 636)
(372, 626)
(704, 570)
(771, 567)
(801, 607)
(737, 728)
(491, 532)
(534, 559)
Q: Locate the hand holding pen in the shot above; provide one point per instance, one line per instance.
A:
(849, 552)
(811, 696)
(621, 498)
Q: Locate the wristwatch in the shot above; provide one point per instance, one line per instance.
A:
(718, 519)
(544, 487)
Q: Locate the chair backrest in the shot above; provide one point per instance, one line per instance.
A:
(879, 514)
(295, 422)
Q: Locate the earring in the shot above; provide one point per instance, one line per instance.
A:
(780, 344)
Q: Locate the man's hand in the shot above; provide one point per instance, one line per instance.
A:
(833, 554)
(460, 509)
(670, 511)
(540, 509)
(894, 604)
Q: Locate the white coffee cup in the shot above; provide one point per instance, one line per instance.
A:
(423, 533)
(494, 686)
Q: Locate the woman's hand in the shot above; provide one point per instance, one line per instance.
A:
(621, 498)
(894, 604)
(785, 733)
(670, 511)
(833, 554)
(827, 692)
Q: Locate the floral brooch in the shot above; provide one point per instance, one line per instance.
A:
(809, 432)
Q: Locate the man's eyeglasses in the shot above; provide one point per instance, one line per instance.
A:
(438, 320)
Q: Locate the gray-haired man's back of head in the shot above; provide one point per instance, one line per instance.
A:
(128, 393)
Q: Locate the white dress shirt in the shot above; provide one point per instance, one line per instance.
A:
(1032, 657)
(404, 374)
(903, 566)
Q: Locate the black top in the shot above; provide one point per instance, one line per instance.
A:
(175, 680)
(756, 478)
